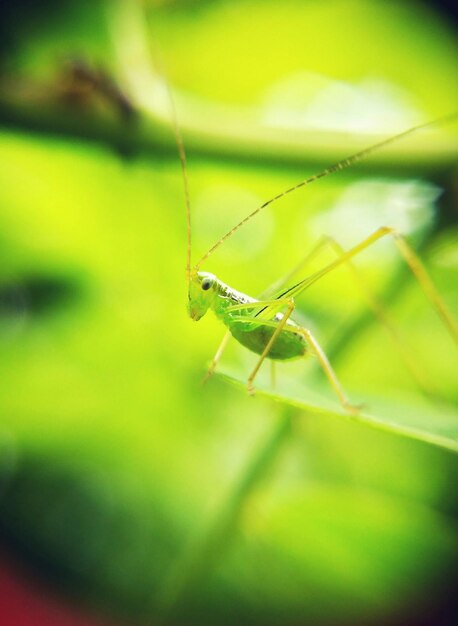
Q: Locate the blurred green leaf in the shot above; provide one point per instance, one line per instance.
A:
(434, 425)
(135, 488)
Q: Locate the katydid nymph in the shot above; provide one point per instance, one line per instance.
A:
(266, 327)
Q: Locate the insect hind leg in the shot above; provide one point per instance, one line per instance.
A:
(379, 313)
(417, 268)
(281, 326)
(317, 351)
(330, 374)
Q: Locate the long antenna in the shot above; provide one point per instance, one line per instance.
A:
(182, 153)
(340, 165)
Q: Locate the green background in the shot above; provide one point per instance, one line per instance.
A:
(136, 489)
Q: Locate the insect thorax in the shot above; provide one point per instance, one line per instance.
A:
(252, 333)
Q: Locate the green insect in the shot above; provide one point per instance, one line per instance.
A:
(266, 327)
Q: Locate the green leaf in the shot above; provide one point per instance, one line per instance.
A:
(414, 418)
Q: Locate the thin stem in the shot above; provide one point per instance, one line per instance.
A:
(208, 128)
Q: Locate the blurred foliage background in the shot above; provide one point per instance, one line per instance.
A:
(137, 491)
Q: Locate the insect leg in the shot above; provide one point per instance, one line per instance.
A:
(380, 314)
(217, 357)
(317, 349)
(224, 342)
(275, 305)
(219, 353)
(270, 343)
(287, 278)
(279, 327)
(374, 304)
(429, 289)
(331, 375)
(412, 260)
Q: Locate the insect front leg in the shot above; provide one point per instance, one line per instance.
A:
(217, 357)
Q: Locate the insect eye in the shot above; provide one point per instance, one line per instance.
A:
(206, 284)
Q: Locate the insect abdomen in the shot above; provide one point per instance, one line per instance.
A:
(288, 345)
